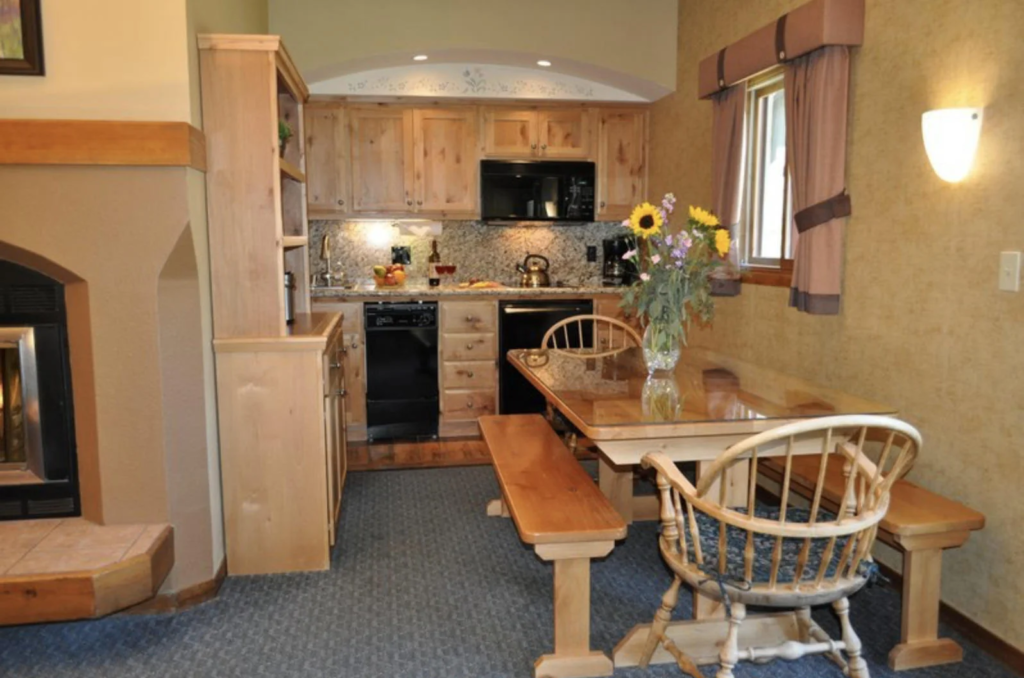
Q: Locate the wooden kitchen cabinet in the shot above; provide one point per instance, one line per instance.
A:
(353, 355)
(382, 159)
(564, 133)
(445, 161)
(557, 133)
(509, 133)
(282, 445)
(468, 365)
(621, 162)
(328, 188)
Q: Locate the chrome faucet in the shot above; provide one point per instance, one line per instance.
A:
(325, 254)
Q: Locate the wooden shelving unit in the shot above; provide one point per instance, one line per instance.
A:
(280, 387)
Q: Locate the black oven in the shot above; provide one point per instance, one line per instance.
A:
(547, 191)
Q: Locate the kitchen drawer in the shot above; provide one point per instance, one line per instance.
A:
(469, 316)
(468, 405)
(458, 347)
(470, 375)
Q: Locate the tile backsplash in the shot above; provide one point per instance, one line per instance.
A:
(478, 250)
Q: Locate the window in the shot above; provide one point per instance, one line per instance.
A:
(767, 217)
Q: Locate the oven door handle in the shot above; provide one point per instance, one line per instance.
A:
(542, 309)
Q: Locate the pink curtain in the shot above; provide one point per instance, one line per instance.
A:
(728, 107)
(817, 92)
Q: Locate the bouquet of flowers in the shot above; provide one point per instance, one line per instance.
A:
(675, 268)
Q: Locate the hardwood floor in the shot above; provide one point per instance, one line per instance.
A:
(426, 454)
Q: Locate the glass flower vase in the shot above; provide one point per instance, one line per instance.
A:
(661, 346)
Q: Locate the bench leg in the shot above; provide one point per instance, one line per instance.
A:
(920, 644)
(617, 484)
(497, 508)
(572, 657)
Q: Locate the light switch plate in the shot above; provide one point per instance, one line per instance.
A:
(1009, 271)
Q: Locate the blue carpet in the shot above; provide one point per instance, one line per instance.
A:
(423, 584)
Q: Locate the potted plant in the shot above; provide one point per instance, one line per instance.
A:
(675, 268)
(284, 133)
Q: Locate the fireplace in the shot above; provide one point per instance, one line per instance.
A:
(38, 472)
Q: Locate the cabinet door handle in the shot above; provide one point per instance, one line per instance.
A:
(340, 393)
(543, 147)
(469, 403)
(408, 202)
(602, 203)
(419, 202)
(469, 347)
(340, 201)
(336, 366)
(469, 374)
(471, 319)
(533, 147)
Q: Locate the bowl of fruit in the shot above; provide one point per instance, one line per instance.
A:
(389, 276)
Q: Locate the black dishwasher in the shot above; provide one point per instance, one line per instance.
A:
(522, 325)
(401, 370)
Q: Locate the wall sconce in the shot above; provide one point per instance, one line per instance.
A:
(951, 140)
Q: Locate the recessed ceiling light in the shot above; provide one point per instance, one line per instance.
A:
(420, 57)
(544, 62)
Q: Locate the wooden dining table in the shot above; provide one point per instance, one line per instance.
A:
(692, 414)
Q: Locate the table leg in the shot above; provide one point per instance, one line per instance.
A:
(616, 483)
(572, 657)
(920, 644)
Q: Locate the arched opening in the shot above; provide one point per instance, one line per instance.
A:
(184, 412)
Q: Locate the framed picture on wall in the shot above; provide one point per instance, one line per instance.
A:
(21, 38)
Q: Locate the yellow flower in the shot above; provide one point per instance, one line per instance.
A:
(722, 241)
(645, 220)
(704, 217)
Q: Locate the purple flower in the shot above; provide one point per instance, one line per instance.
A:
(668, 203)
(679, 252)
(629, 255)
(645, 277)
(656, 259)
(668, 240)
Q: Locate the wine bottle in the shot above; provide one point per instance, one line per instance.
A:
(432, 261)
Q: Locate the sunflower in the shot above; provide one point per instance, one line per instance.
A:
(722, 241)
(646, 220)
(703, 217)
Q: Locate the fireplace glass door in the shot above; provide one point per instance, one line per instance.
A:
(19, 400)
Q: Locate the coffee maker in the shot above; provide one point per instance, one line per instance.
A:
(616, 271)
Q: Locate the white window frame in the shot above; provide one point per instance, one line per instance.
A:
(757, 89)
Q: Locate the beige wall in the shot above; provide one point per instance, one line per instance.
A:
(923, 326)
(595, 39)
(106, 60)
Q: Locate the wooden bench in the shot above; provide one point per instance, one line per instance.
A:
(919, 523)
(558, 509)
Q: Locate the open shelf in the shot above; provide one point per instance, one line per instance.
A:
(290, 242)
(290, 171)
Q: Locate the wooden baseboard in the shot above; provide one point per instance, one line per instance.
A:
(189, 596)
(987, 641)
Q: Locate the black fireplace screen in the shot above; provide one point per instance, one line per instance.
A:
(38, 466)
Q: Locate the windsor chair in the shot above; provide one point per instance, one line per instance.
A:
(784, 556)
(606, 336)
(586, 336)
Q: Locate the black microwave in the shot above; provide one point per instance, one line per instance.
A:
(545, 191)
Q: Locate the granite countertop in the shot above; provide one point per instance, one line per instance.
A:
(420, 289)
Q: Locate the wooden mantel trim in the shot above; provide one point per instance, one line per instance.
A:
(101, 142)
